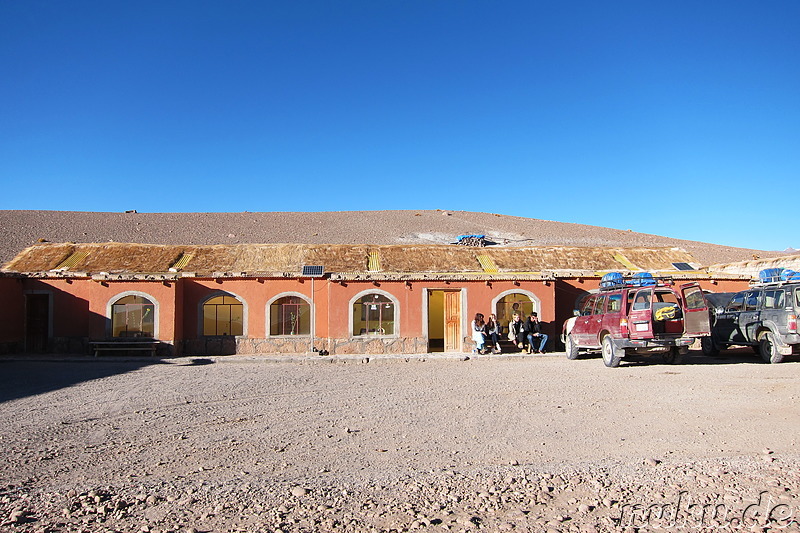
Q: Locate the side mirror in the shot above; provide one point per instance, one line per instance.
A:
(576, 312)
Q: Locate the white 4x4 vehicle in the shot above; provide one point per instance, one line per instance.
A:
(640, 315)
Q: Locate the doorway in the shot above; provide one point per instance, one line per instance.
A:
(444, 321)
(37, 322)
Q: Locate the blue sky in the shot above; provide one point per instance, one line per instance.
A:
(661, 117)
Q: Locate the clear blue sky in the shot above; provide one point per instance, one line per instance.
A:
(663, 117)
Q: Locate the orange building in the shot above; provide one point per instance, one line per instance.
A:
(294, 298)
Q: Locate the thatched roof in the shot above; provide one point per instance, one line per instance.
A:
(68, 259)
(752, 268)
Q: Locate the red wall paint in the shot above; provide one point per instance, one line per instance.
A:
(80, 306)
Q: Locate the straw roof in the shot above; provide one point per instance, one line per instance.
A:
(751, 268)
(68, 259)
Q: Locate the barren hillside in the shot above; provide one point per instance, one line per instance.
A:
(19, 229)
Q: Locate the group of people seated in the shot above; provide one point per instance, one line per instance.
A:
(526, 335)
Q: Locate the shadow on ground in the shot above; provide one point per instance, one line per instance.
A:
(20, 378)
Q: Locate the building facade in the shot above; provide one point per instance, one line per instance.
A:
(259, 299)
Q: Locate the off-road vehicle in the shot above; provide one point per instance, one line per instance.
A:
(763, 316)
(639, 315)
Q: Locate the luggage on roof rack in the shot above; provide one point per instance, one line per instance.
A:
(790, 275)
(612, 280)
(643, 279)
(770, 275)
(776, 275)
(615, 280)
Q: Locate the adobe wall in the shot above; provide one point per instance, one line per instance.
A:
(80, 310)
(333, 303)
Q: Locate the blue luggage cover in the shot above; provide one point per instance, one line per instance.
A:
(643, 279)
(770, 275)
(612, 279)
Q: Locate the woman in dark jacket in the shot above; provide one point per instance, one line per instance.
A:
(516, 331)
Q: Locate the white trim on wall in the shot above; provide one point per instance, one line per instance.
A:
(201, 303)
(114, 299)
(360, 295)
(268, 314)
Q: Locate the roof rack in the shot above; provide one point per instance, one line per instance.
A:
(779, 275)
(615, 280)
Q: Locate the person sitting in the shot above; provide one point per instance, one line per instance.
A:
(492, 331)
(536, 339)
(516, 331)
(478, 336)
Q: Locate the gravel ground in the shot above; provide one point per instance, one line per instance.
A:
(20, 229)
(399, 444)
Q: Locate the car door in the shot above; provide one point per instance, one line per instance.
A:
(597, 319)
(640, 323)
(580, 330)
(750, 317)
(773, 312)
(613, 314)
(726, 327)
(695, 311)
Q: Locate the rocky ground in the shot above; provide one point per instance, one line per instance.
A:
(20, 229)
(405, 444)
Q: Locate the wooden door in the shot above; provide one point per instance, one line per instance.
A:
(452, 321)
(37, 322)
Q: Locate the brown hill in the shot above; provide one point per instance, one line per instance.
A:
(20, 229)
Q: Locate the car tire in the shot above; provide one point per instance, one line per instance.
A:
(673, 356)
(769, 348)
(571, 348)
(708, 346)
(611, 354)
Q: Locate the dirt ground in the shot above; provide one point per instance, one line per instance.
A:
(420, 443)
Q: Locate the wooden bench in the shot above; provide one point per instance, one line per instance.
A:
(148, 346)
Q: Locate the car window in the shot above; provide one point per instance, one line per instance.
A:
(751, 300)
(797, 298)
(614, 303)
(694, 298)
(773, 299)
(599, 307)
(587, 306)
(642, 300)
(736, 303)
(666, 296)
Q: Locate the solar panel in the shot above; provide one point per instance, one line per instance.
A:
(683, 266)
(313, 271)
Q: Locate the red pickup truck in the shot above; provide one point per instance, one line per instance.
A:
(640, 315)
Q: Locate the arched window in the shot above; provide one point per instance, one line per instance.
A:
(514, 302)
(133, 316)
(290, 315)
(223, 315)
(373, 314)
